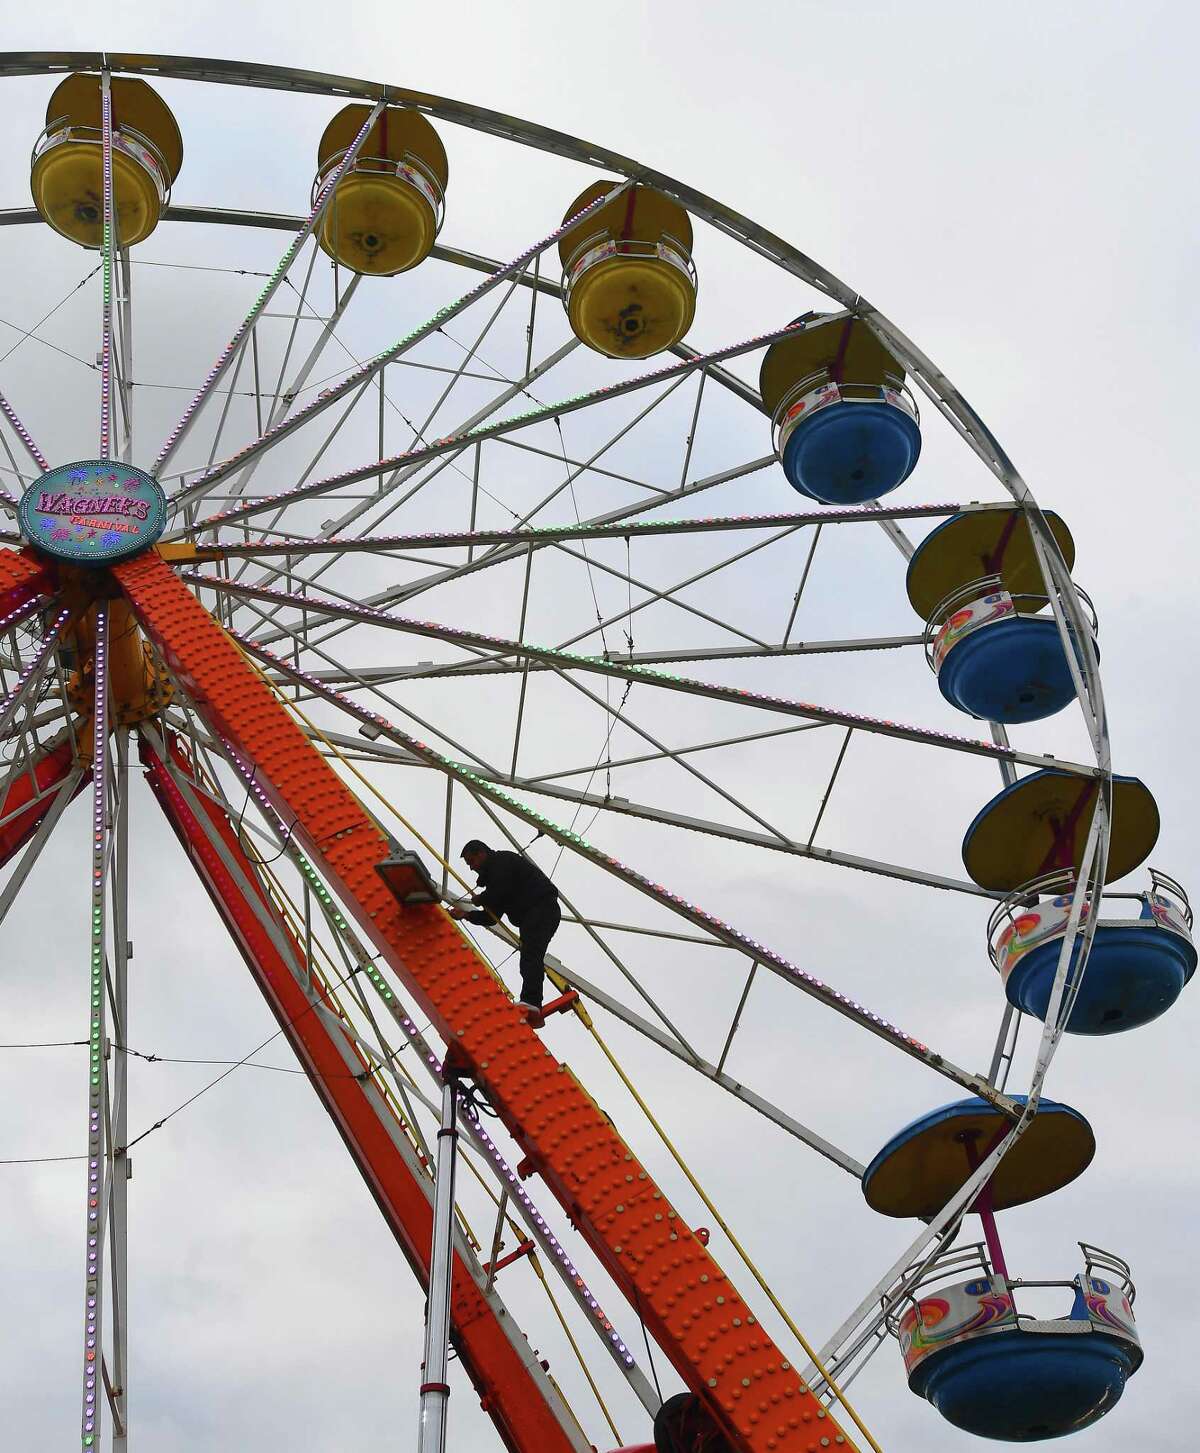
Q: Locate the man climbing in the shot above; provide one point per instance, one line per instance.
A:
(508, 883)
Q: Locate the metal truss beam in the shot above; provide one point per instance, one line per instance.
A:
(552, 534)
(642, 676)
(453, 442)
(424, 670)
(542, 786)
(101, 1160)
(709, 1071)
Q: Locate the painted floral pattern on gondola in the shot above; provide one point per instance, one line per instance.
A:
(1041, 922)
(1109, 1308)
(954, 1315)
(1031, 928)
(983, 612)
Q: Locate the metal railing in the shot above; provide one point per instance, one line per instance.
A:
(407, 168)
(126, 139)
(820, 383)
(1061, 883)
(601, 245)
(1025, 603)
(962, 1264)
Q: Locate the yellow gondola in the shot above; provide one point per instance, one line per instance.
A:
(628, 282)
(388, 208)
(67, 173)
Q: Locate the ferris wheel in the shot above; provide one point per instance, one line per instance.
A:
(544, 459)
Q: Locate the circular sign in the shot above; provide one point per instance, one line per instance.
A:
(94, 512)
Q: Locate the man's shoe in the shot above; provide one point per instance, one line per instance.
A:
(524, 1004)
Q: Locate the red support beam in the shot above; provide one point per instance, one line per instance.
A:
(512, 1389)
(30, 795)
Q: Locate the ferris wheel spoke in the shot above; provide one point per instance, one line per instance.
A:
(298, 312)
(31, 675)
(663, 754)
(637, 675)
(281, 398)
(406, 710)
(397, 594)
(244, 329)
(123, 352)
(654, 595)
(469, 355)
(368, 370)
(365, 748)
(120, 1166)
(581, 466)
(724, 932)
(401, 476)
(573, 474)
(107, 248)
(370, 676)
(101, 1146)
(301, 545)
(403, 473)
(56, 797)
(26, 440)
(53, 715)
(455, 441)
(714, 1072)
(618, 714)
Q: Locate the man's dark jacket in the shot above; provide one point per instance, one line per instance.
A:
(514, 886)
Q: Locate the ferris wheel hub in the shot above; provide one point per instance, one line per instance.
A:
(94, 512)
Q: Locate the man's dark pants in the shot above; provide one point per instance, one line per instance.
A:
(538, 926)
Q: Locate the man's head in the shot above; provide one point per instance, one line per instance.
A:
(475, 854)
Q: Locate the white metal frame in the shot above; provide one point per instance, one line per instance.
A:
(304, 624)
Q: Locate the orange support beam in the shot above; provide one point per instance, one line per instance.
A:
(694, 1312)
(512, 1388)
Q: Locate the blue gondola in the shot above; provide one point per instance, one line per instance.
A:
(977, 582)
(986, 1365)
(1137, 967)
(852, 449)
(846, 427)
(995, 660)
(999, 1375)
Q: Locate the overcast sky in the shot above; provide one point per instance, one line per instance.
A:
(1015, 189)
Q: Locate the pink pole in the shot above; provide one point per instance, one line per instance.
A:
(983, 1209)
